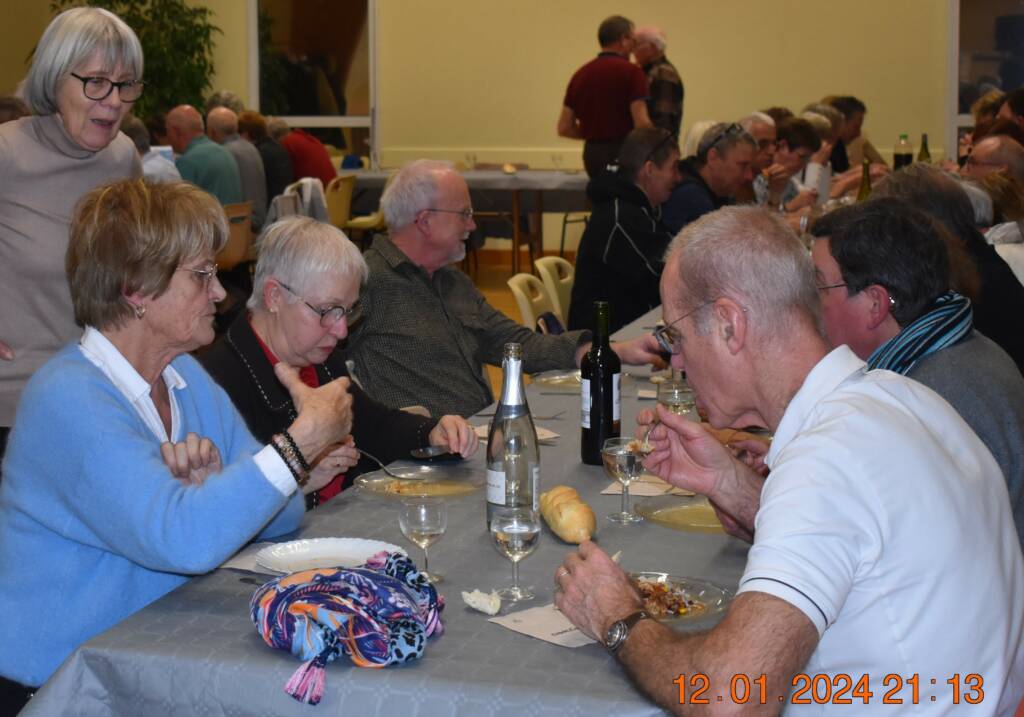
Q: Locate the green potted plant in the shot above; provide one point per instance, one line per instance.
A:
(177, 41)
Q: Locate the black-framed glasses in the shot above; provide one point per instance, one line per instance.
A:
(206, 275)
(332, 314)
(831, 286)
(709, 140)
(99, 88)
(466, 214)
(667, 340)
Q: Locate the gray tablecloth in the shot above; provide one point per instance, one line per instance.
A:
(195, 651)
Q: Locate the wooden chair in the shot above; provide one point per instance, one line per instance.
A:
(532, 298)
(239, 241)
(557, 275)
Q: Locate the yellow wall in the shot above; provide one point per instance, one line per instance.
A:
(22, 25)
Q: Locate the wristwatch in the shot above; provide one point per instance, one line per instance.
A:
(617, 633)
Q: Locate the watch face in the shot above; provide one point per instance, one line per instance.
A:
(613, 637)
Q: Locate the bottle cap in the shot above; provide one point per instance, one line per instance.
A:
(513, 350)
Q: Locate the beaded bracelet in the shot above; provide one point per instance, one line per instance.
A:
(295, 447)
(290, 459)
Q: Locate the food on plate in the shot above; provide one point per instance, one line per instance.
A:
(427, 488)
(489, 603)
(567, 515)
(667, 599)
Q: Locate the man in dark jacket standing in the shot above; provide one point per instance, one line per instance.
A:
(665, 103)
(621, 252)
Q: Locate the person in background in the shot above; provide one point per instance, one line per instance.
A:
(155, 166)
(201, 160)
(694, 135)
(778, 113)
(711, 178)
(776, 186)
(277, 165)
(873, 476)
(606, 98)
(996, 153)
(883, 273)
(154, 477)
(308, 154)
(853, 111)
(665, 101)
(998, 299)
(305, 294)
(12, 108)
(225, 98)
(621, 251)
(86, 71)
(426, 331)
(222, 128)
(761, 128)
(1013, 106)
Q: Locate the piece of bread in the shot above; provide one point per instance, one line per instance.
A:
(489, 603)
(567, 515)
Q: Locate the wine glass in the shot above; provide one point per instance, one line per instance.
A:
(423, 522)
(623, 461)
(677, 397)
(516, 532)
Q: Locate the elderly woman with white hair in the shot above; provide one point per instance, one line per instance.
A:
(128, 468)
(86, 72)
(305, 295)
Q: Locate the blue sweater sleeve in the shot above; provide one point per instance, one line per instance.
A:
(99, 479)
(687, 203)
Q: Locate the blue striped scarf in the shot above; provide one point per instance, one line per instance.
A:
(949, 320)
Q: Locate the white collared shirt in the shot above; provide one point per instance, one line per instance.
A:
(104, 355)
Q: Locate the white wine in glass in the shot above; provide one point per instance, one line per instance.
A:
(677, 397)
(516, 532)
(424, 522)
(624, 461)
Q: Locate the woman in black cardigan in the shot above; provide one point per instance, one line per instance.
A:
(305, 293)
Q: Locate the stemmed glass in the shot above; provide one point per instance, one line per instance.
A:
(423, 522)
(676, 396)
(623, 460)
(516, 532)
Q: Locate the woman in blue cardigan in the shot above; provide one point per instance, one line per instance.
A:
(128, 468)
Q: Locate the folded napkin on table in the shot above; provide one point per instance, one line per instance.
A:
(379, 615)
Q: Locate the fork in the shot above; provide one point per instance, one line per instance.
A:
(387, 470)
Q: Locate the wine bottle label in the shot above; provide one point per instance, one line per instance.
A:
(585, 395)
(495, 487)
(616, 397)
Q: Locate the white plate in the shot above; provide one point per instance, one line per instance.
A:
(321, 553)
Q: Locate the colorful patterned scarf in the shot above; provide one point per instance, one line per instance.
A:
(949, 320)
(379, 615)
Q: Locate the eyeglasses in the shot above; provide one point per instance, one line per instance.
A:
(763, 144)
(99, 88)
(332, 314)
(669, 342)
(205, 276)
(466, 214)
(973, 161)
(709, 141)
(831, 286)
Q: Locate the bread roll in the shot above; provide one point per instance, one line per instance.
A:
(567, 515)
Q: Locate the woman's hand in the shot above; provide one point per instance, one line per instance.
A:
(334, 459)
(325, 413)
(6, 352)
(804, 199)
(824, 153)
(455, 434)
(193, 460)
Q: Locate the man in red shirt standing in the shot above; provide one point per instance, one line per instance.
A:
(606, 98)
(308, 154)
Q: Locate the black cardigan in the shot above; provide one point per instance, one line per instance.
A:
(238, 363)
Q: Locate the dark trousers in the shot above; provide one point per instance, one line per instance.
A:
(13, 696)
(4, 431)
(599, 153)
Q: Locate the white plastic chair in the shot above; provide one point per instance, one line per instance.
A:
(558, 276)
(532, 298)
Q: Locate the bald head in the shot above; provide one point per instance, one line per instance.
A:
(184, 123)
(998, 153)
(221, 123)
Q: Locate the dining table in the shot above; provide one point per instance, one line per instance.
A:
(520, 197)
(195, 651)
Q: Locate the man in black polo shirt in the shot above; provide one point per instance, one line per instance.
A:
(606, 98)
(712, 177)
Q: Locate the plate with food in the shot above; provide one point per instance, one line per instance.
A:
(310, 553)
(431, 480)
(670, 598)
(683, 513)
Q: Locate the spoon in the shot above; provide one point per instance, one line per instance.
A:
(387, 470)
(428, 451)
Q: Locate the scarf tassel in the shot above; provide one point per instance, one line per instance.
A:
(307, 683)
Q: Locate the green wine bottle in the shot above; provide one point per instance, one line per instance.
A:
(923, 155)
(865, 181)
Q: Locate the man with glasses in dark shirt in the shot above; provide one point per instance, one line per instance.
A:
(711, 178)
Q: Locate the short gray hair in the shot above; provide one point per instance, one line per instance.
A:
(751, 256)
(412, 189)
(225, 98)
(71, 39)
(653, 35)
(298, 250)
(753, 118)
(277, 127)
(981, 200)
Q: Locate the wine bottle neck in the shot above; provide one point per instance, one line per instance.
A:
(601, 326)
(512, 386)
